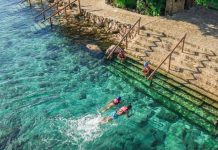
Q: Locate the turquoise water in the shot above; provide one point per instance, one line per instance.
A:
(52, 88)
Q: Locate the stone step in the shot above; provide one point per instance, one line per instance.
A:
(174, 81)
(165, 91)
(169, 87)
(170, 41)
(172, 105)
(179, 90)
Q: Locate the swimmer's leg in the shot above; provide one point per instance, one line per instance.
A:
(107, 107)
(106, 120)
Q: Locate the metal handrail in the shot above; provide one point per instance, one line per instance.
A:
(59, 11)
(42, 12)
(125, 36)
(169, 55)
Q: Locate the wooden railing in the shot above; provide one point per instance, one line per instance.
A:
(126, 37)
(22, 1)
(56, 5)
(50, 7)
(169, 56)
(57, 12)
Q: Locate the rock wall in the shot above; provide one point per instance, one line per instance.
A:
(173, 6)
(110, 26)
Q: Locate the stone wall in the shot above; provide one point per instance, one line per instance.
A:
(111, 26)
(173, 6)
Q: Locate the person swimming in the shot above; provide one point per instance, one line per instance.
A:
(112, 103)
(123, 110)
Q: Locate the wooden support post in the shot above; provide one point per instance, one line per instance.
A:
(126, 42)
(79, 7)
(139, 24)
(43, 15)
(30, 3)
(151, 81)
(41, 4)
(43, 10)
(169, 62)
(58, 9)
(65, 11)
(50, 22)
(183, 44)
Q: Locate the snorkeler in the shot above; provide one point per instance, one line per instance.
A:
(112, 103)
(123, 110)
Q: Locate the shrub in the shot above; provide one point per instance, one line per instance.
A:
(125, 3)
(151, 7)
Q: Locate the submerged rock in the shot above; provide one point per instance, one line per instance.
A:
(175, 136)
(82, 96)
(190, 141)
(167, 115)
(52, 47)
(93, 47)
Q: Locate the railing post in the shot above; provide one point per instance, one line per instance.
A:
(30, 3)
(50, 22)
(79, 7)
(183, 44)
(169, 62)
(65, 10)
(43, 15)
(139, 25)
(43, 10)
(151, 81)
(41, 4)
(126, 42)
(58, 8)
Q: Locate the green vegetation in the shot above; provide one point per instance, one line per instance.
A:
(208, 3)
(125, 3)
(147, 7)
(156, 7)
(151, 7)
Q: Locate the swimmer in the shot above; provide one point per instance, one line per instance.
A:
(113, 102)
(123, 110)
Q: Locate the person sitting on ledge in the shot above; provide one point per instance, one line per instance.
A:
(123, 110)
(110, 52)
(121, 56)
(146, 71)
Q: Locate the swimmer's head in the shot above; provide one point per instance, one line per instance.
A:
(119, 98)
(129, 106)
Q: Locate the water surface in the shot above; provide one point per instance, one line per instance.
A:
(52, 88)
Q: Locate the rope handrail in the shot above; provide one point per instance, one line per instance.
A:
(125, 36)
(59, 11)
(169, 55)
(48, 8)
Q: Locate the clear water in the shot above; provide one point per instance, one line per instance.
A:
(51, 91)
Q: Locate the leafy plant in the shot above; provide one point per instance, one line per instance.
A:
(151, 7)
(125, 3)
